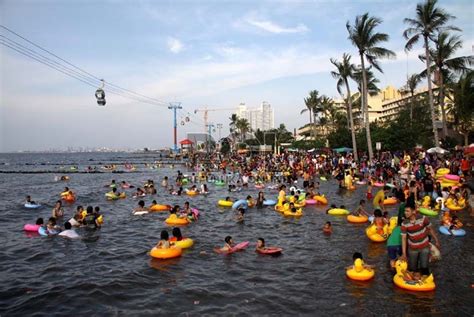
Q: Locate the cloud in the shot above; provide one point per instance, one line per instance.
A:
(272, 27)
(174, 45)
(238, 68)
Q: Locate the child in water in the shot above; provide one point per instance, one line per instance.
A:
(369, 188)
(327, 227)
(250, 201)
(261, 244)
(51, 227)
(140, 206)
(227, 245)
(188, 212)
(163, 243)
(455, 224)
(177, 236)
(29, 201)
(359, 264)
(360, 211)
(240, 215)
(379, 221)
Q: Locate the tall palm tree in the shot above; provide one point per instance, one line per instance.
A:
(445, 64)
(428, 21)
(232, 128)
(371, 80)
(243, 126)
(364, 36)
(345, 70)
(328, 111)
(412, 82)
(312, 104)
(372, 89)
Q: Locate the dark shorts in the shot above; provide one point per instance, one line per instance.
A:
(305, 184)
(394, 251)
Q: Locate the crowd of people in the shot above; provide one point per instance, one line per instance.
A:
(410, 178)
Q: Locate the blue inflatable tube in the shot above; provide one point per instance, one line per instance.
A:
(269, 202)
(455, 232)
(240, 203)
(42, 231)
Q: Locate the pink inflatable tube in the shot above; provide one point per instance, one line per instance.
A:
(452, 177)
(31, 227)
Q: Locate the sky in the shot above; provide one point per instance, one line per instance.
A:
(199, 53)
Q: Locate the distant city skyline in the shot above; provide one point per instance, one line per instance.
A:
(259, 117)
(214, 54)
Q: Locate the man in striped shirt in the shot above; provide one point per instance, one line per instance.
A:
(415, 230)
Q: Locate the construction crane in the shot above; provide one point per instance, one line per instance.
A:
(205, 110)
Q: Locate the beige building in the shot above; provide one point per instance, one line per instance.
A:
(382, 107)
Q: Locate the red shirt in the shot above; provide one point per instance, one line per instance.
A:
(417, 232)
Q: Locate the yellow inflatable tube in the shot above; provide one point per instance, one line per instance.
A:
(225, 203)
(321, 199)
(390, 201)
(372, 234)
(183, 244)
(357, 219)
(338, 212)
(358, 272)
(425, 285)
(298, 213)
(165, 253)
(176, 221)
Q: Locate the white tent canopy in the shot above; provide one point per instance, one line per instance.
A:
(437, 150)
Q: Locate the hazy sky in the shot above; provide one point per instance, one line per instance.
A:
(215, 53)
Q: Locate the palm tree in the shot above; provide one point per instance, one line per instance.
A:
(463, 99)
(372, 89)
(412, 82)
(232, 128)
(444, 64)
(428, 21)
(327, 111)
(243, 126)
(345, 70)
(372, 81)
(312, 104)
(363, 36)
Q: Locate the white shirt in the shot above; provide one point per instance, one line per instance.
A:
(71, 234)
(74, 222)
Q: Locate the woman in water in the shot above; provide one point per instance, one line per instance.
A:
(260, 199)
(163, 243)
(58, 210)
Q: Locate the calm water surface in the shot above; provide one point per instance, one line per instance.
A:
(110, 272)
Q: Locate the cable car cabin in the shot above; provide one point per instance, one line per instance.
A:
(100, 95)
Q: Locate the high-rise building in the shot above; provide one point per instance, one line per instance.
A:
(260, 118)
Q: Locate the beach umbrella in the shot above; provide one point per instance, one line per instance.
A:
(437, 150)
(342, 149)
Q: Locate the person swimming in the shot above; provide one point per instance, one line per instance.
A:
(164, 241)
(261, 244)
(227, 245)
(327, 227)
(29, 201)
(240, 214)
